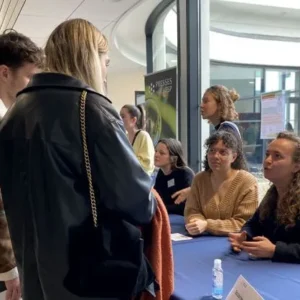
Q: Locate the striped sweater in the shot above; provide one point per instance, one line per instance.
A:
(227, 209)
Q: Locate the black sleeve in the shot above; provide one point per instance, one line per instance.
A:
(289, 253)
(157, 183)
(124, 188)
(253, 226)
(188, 176)
(176, 209)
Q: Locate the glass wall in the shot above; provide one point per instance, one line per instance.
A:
(164, 40)
(249, 81)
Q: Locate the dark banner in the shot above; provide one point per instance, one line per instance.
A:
(161, 104)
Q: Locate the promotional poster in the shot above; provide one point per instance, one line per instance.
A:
(161, 104)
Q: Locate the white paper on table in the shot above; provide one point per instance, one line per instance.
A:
(180, 237)
(243, 290)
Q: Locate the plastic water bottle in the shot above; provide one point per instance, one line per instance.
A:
(217, 290)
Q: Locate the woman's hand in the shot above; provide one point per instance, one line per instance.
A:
(181, 195)
(196, 226)
(260, 247)
(13, 289)
(236, 240)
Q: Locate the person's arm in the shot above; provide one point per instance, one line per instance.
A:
(145, 152)
(8, 269)
(186, 182)
(188, 177)
(121, 183)
(288, 253)
(176, 209)
(253, 226)
(193, 208)
(242, 212)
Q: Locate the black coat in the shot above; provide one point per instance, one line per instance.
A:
(44, 185)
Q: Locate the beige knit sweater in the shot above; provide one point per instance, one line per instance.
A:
(227, 209)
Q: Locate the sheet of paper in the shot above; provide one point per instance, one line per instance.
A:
(243, 290)
(180, 237)
(272, 114)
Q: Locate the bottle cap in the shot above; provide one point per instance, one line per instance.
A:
(217, 263)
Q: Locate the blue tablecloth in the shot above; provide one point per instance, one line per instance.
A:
(193, 261)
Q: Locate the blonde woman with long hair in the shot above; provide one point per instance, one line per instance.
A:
(70, 176)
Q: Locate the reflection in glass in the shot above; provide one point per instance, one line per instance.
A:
(250, 83)
(164, 40)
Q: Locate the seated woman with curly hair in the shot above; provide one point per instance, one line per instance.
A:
(224, 196)
(274, 230)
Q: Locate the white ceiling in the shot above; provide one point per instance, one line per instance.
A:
(224, 14)
(294, 4)
(129, 32)
(255, 19)
(38, 18)
(123, 22)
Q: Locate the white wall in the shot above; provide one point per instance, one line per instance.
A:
(121, 86)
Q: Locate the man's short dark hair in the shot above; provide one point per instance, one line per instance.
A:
(17, 49)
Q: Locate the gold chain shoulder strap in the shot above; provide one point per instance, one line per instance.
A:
(87, 157)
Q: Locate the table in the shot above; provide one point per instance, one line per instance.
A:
(193, 260)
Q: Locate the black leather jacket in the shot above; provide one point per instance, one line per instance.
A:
(43, 181)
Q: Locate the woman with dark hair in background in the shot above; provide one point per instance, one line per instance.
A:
(218, 108)
(224, 196)
(174, 175)
(134, 122)
(274, 230)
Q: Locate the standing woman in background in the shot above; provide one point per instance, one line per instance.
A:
(134, 122)
(218, 108)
